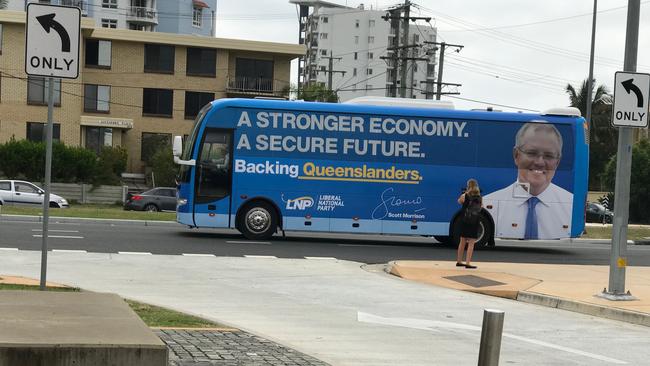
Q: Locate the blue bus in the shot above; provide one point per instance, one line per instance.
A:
(381, 166)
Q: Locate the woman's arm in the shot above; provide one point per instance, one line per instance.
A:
(461, 199)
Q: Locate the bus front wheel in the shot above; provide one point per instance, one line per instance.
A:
(258, 220)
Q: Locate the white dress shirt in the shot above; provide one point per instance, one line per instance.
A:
(509, 208)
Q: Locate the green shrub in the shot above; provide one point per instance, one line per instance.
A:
(111, 163)
(164, 168)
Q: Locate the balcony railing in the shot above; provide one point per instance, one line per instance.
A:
(81, 4)
(253, 85)
(142, 14)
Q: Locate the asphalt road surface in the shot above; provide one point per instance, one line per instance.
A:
(174, 239)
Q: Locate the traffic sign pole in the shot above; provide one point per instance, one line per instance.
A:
(618, 260)
(48, 180)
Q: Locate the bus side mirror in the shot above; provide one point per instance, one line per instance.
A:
(177, 148)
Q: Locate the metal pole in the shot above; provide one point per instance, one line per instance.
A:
(329, 77)
(405, 41)
(48, 178)
(590, 81)
(618, 260)
(491, 331)
(442, 59)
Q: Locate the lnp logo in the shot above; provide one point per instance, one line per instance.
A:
(300, 203)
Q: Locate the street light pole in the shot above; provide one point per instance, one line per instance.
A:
(590, 81)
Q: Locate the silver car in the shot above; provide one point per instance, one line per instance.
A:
(18, 192)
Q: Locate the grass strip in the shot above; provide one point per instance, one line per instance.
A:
(91, 211)
(153, 316)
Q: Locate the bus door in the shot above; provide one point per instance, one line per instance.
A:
(213, 179)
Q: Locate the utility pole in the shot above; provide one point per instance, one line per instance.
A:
(329, 71)
(405, 41)
(400, 55)
(443, 46)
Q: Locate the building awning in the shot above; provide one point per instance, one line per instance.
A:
(108, 122)
(199, 4)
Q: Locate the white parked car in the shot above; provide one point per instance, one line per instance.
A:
(18, 192)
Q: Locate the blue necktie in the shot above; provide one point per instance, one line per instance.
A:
(531, 219)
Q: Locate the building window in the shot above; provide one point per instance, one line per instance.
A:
(356, 55)
(201, 62)
(416, 38)
(354, 72)
(36, 131)
(37, 91)
(371, 23)
(368, 87)
(98, 137)
(110, 4)
(369, 72)
(159, 58)
(194, 101)
(157, 102)
(370, 56)
(323, 68)
(97, 98)
(325, 19)
(152, 142)
(197, 16)
(371, 39)
(323, 52)
(109, 23)
(251, 74)
(356, 39)
(323, 36)
(98, 53)
(356, 23)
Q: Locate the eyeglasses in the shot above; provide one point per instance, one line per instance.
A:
(534, 154)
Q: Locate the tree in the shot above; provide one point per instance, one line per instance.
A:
(163, 167)
(318, 93)
(639, 181)
(603, 138)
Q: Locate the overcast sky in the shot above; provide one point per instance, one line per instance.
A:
(517, 55)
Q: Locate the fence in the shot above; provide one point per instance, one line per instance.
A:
(85, 193)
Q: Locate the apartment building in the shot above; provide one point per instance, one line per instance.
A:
(135, 89)
(358, 40)
(171, 16)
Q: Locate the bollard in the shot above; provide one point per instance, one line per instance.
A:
(490, 347)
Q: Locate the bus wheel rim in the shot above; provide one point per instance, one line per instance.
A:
(258, 219)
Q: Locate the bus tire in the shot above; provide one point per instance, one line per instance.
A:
(485, 232)
(258, 220)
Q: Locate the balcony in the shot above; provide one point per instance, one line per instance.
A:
(142, 15)
(244, 85)
(81, 4)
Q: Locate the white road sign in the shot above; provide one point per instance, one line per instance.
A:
(52, 41)
(631, 92)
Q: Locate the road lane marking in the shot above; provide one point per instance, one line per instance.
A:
(198, 255)
(68, 251)
(59, 236)
(56, 231)
(8, 249)
(135, 253)
(435, 326)
(322, 258)
(248, 242)
(368, 245)
(261, 256)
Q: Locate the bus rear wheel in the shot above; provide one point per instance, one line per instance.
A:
(485, 231)
(258, 220)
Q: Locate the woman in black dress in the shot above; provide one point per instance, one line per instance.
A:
(472, 203)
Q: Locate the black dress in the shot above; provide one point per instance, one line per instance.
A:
(469, 228)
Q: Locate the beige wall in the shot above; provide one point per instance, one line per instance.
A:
(127, 79)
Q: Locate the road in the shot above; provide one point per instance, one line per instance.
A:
(173, 239)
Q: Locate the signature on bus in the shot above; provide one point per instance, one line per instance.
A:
(390, 203)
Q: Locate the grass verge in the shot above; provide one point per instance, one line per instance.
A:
(605, 232)
(91, 211)
(153, 316)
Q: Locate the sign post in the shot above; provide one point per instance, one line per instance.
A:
(630, 110)
(51, 50)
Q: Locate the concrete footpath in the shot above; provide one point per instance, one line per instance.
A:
(568, 287)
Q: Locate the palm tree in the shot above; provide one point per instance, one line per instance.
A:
(602, 136)
(602, 102)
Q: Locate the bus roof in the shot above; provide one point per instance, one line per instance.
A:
(558, 115)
